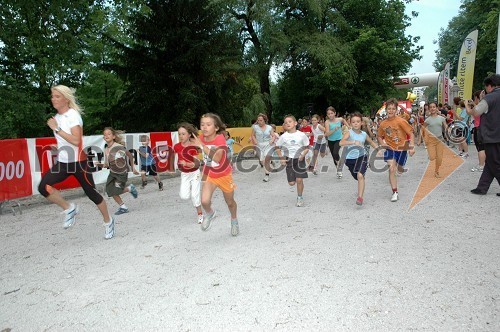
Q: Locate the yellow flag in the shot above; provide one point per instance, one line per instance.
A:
(466, 63)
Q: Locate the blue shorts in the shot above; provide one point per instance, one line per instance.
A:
(399, 156)
(358, 165)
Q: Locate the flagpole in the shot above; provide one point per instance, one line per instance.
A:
(498, 46)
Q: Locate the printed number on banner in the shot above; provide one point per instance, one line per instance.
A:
(11, 170)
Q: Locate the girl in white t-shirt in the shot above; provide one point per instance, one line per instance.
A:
(292, 147)
(318, 132)
(262, 136)
(67, 125)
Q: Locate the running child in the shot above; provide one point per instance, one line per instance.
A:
(116, 156)
(217, 172)
(333, 132)
(292, 148)
(189, 165)
(319, 143)
(392, 134)
(148, 163)
(230, 147)
(433, 136)
(306, 129)
(357, 157)
(262, 134)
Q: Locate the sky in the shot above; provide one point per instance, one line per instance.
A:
(432, 16)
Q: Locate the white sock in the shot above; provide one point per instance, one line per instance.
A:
(123, 206)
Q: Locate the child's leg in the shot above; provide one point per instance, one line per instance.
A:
(439, 155)
(157, 178)
(231, 204)
(300, 186)
(207, 191)
(431, 148)
(185, 187)
(195, 185)
(118, 199)
(393, 166)
(361, 185)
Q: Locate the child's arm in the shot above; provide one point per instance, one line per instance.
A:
(252, 137)
(305, 146)
(371, 142)
(214, 153)
(344, 141)
(327, 131)
(344, 122)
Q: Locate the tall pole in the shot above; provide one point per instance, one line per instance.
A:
(498, 46)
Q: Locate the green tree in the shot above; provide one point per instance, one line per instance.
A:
(42, 43)
(182, 64)
(474, 14)
(344, 53)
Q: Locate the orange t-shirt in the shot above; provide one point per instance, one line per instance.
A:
(394, 131)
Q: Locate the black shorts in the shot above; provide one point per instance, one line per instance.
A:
(358, 165)
(295, 169)
(149, 170)
(479, 146)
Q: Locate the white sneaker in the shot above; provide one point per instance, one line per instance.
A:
(200, 218)
(266, 178)
(207, 220)
(110, 229)
(70, 215)
(235, 228)
(465, 155)
(477, 169)
(394, 197)
(339, 175)
(300, 202)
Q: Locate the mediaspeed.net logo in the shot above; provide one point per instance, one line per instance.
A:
(457, 133)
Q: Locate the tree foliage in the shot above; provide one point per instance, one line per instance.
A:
(474, 14)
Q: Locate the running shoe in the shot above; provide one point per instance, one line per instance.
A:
(339, 175)
(133, 191)
(110, 229)
(266, 178)
(465, 155)
(315, 172)
(235, 228)
(121, 211)
(70, 215)
(359, 201)
(207, 221)
(477, 169)
(144, 183)
(394, 197)
(300, 202)
(200, 218)
(160, 186)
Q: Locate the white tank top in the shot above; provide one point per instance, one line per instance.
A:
(318, 132)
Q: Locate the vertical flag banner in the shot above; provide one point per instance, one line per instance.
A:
(466, 63)
(446, 84)
(440, 87)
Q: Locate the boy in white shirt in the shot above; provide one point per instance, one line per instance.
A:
(292, 147)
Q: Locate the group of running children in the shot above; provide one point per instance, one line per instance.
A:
(291, 148)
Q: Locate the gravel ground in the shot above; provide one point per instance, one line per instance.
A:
(329, 265)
